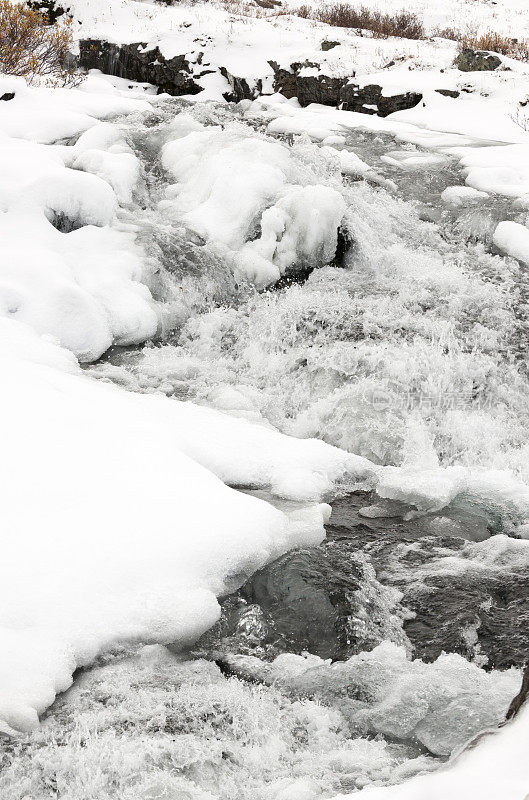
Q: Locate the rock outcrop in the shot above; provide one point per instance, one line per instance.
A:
(370, 100)
(175, 76)
(309, 85)
(50, 8)
(477, 61)
(240, 88)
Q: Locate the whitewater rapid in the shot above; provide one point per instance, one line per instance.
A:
(411, 351)
(408, 350)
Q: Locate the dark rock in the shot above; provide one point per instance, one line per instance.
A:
(174, 76)
(7, 96)
(307, 594)
(364, 100)
(318, 89)
(337, 92)
(326, 45)
(308, 89)
(285, 80)
(240, 89)
(474, 612)
(448, 92)
(477, 61)
(370, 100)
(344, 242)
(339, 598)
(521, 697)
(50, 9)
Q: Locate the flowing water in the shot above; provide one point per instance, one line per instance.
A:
(414, 348)
(382, 651)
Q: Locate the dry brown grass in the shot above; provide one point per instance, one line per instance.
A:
(495, 42)
(31, 47)
(403, 24)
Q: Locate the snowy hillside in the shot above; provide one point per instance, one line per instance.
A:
(263, 333)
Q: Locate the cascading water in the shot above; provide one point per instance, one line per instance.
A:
(413, 351)
(410, 351)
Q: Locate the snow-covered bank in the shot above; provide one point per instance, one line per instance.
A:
(112, 533)
(85, 288)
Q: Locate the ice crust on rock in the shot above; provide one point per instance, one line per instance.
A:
(513, 239)
(440, 705)
(461, 195)
(229, 187)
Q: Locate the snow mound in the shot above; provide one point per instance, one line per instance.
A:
(301, 228)
(67, 267)
(240, 193)
(461, 195)
(513, 239)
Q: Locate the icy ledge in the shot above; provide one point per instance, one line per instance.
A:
(494, 766)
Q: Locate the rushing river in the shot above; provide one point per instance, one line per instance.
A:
(410, 349)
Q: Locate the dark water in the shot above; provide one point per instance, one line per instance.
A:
(378, 576)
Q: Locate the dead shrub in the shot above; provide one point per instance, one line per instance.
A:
(448, 33)
(31, 47)
(497, 43)
(305, 12)
(403, 24)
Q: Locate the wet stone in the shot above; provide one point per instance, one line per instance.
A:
(382, 577)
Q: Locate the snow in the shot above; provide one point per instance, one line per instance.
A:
(126, 537)
(132, 531)
(513, 239)
(461, 195)
(503, 170)
(494, 766)
(301, 228)
(228, 186)
(84, 287)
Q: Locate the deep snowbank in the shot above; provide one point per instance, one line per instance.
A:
(111, 532)
(68, 268)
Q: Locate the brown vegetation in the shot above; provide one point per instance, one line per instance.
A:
(31, 47)
(495, 42)
(404, 24)
(516, 48)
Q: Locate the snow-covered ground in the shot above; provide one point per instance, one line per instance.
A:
(126, 218)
